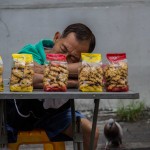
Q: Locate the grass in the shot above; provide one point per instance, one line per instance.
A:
(132, 112)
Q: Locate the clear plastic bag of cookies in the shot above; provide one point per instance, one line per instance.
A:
(22, 73)
(55, 73)
(91, 73)
(1, 75)
(116, 73)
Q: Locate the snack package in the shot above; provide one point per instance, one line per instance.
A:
(91, 73)
(22, 73)
(1, 75)
(116, 73)
(55, 73)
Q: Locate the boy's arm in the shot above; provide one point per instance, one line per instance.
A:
(38, 68)
(38, 81)
(73, 75)
(38, 76)
(73, 70)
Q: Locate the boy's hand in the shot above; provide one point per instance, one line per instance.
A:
(72, 83)
(38, 68)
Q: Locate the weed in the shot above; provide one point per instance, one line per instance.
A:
(131, 112)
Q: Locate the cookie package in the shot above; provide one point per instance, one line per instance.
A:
(91, 73)
(116, 73)
(55, 73)
(22, 72)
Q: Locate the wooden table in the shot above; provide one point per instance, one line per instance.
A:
(71, 95)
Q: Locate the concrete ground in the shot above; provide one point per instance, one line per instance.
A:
(136, 134)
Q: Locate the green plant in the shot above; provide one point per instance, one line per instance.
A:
(131, 112)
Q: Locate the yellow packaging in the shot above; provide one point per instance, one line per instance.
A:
(1, 75)
(91, 73)
(22, 73)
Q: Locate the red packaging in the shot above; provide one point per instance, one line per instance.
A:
(55, 73)
(116, 73)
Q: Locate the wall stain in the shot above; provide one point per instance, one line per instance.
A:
(5, 25)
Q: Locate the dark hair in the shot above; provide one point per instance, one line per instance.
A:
(82, 33)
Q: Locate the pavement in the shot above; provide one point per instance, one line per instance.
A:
(136, 135)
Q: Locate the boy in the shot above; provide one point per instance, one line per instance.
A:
(75, 39)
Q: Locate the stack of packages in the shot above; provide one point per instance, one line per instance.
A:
(116, 73)
(22, 73)
(1, 75)
(55, 73)
(91, 73)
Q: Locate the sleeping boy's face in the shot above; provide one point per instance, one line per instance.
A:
(71, 47)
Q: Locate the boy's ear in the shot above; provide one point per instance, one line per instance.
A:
(56, 36)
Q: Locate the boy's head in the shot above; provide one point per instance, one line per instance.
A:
(75, 39)
(82, 33)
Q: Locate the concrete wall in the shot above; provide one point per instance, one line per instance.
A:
(119, 26)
